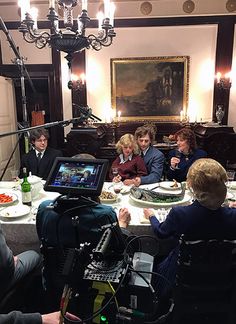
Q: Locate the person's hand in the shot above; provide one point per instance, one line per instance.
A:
(174, 162)
(147, 212)
(137, 181)
(116, 178)
(124, 217)
(232, 204)
(54, 318)
(128, 182)
(15, 257)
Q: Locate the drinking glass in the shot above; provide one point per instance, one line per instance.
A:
(117, 187)
(115, 172)
(177, 155)
(230, 176)
(14, 175)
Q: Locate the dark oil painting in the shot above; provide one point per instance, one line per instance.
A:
(150, 88)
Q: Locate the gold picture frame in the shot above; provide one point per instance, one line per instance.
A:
(150, 88)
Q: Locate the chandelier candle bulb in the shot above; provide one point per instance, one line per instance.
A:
(24, 7)
(84, 5)
(112, 12)
(107, 8)
(52, 4)
(218, 77)
(119, 115)
(100, 18)
(34, 14)
(181, 115)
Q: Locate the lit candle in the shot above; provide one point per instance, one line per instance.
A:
(24, 7)
(34, 15)
(100, 18)
(106, 8)
(119, 114)
(84, 5)
(51, 3)
(218, 77)
(181, 115)
(228, 76)
(112, 12)
(82, 78)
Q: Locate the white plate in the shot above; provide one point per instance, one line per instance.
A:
(14, 198)
(12, 212)
(185, 201)
(168, 185)
(229, 195)
(125, 189)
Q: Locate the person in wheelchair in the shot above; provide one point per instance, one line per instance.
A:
(205, 218)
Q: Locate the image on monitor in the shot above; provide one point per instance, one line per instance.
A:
(77, 176)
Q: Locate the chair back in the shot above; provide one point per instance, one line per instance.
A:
(205, 289)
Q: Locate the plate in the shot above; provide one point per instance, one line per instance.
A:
(168, 185)
(185, 201)
(105, 200)
(125, 189)
(14, 198)
(229, 195)
(12, 212)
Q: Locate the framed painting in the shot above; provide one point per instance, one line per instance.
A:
(150, 88)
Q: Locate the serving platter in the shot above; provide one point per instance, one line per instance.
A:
(185, 201)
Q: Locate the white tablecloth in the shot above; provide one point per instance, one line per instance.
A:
(21, 232)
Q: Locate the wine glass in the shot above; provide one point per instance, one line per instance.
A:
(115, 171)
(177, 155)
(230, 176)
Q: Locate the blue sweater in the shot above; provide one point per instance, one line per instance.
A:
(185, 162)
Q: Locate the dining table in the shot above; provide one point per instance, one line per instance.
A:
(18, 221)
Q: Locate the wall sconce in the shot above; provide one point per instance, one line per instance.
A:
(77, 83)
(223, 81)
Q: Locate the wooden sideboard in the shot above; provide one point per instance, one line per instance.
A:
(99, 140)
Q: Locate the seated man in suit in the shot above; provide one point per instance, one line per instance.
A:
(153, 158)
(40, 159)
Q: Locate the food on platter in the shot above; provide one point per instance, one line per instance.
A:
(107, 196)
(175, 184)
(5, 198)
(157, 197)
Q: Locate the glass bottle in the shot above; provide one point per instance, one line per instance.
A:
(26, 189)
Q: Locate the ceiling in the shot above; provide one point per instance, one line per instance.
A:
(9, 10)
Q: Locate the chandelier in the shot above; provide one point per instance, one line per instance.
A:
(72, 39)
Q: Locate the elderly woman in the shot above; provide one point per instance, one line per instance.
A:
(205, 218)
(128, 164)
(187, 152)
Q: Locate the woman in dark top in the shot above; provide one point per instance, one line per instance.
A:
(129, 164)
(183, 157)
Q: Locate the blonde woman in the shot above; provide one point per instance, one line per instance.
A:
(205, 218)
(128, 164)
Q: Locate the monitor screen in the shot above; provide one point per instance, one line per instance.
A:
(77, 177)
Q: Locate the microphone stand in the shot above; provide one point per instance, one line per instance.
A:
(19, 61)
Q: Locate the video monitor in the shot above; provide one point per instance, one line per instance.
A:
(76, 177)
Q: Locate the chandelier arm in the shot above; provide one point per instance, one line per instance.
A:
(43, 34)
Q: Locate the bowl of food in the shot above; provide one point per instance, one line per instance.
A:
(107, 197)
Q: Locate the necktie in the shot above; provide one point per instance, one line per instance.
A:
(39, 156)
(142, 155)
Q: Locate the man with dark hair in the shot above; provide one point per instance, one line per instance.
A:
(153, 158)
(40, 159)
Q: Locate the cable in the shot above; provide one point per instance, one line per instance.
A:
(139, 237)
(113, 291)
(101, 309)
(153, 273)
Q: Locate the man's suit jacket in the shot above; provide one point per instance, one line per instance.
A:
(30, 162)
(154, 161)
